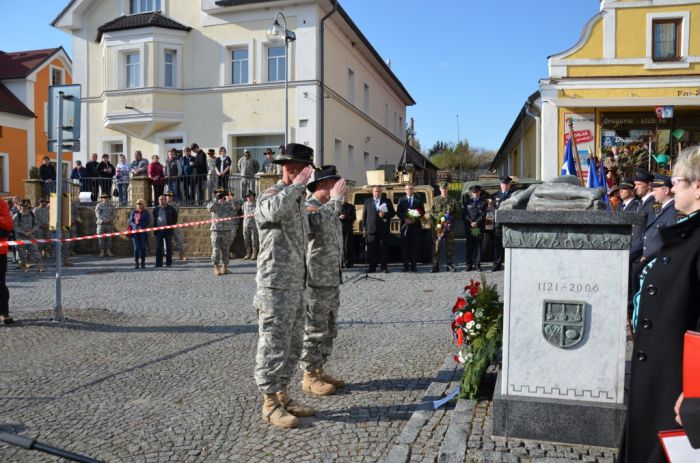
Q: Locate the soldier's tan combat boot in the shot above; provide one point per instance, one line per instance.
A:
(275, 414)
(313, 384)
(40, 269)
(25, 267)
(216, 270)
(225, 270)
(336, 382)
(255, 255)
(67, 263)
(248, 252)
(102, 253)
(109, 253)
(294, 407)
(182, 256)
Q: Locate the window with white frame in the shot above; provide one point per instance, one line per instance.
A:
(276, 65)
(56, 76)
(666, 39)
(239, 66)
(351, 86)
(144, 6)
(366, 102)
(170, 68)
(133, 70)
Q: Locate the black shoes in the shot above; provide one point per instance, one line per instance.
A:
(386, 270)
(435, 270)
(405, 269)
(451, 268)
(371, 270)
(6, 320)
(143, 264)
(496, 267)
(469, 268)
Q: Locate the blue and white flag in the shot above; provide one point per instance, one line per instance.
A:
(593, 177)
(569, 167)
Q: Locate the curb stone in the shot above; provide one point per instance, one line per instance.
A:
(401, 452)
(454, 446)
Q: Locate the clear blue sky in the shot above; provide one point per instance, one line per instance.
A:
(476, 59)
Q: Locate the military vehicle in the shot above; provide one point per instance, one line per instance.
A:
(393, 191)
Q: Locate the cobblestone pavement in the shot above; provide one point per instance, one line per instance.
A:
(156, 365)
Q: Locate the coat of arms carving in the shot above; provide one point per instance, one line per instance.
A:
(564, 323)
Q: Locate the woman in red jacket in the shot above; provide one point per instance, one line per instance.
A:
(157, 178)
(5, 232)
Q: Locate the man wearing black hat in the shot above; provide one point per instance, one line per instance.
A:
(410, 228)
(629, 202)
(474, 209)
(324, 258)
(498, 199)
(283, 228)
(666, 215)
(643, 187)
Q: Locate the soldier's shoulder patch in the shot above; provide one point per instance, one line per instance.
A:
(273, 190)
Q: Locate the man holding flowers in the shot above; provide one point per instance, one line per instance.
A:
(410, 211)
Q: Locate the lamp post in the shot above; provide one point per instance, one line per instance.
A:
(277, 34)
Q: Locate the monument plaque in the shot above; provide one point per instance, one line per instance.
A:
(564, 325)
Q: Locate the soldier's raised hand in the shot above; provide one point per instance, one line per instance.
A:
(302, 178)
(338, 188)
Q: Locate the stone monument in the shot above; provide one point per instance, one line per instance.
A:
(565, 316)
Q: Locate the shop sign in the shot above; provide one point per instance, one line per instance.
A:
(664, 112)
(584, 134)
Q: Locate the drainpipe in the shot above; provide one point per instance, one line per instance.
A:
(538, 150)
(321, 100)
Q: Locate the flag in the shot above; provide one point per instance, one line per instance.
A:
(593, 177)
(569, 167)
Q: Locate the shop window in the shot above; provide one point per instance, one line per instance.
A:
(666, 40)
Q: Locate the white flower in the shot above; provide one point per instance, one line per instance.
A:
(478, 326)
(470, 324)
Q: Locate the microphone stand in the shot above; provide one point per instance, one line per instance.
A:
(32, 444)
(366, 275)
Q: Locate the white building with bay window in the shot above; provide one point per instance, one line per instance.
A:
(160, 74)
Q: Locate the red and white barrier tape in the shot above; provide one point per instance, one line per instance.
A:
(125, 232)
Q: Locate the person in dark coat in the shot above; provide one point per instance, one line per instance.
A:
(664, 309)
(376, 215)
(91, 175)
(644, 189)
(410, 229)
(47, 173)
(105, 170)
(164, 214)
(474, 209)
(199, 171)
(664, 216)
(347, 219)
(498, 199)
(628, 201)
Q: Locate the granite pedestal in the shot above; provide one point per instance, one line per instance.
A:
(564, 329)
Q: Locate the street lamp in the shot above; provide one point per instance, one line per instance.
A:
(277, 34)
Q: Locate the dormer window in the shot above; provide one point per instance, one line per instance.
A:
(144, 6)
(666, 40)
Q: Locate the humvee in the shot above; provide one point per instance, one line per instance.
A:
(393, 192)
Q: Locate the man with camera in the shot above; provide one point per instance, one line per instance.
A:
(221, 208)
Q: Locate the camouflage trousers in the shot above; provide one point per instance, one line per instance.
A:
(106, 242)
(220, 244)
(250, 237)
(177, 242)
(44, 234)
(449, 241)
(280, 336)
(67, 248)
(320, 326)
(30, 250)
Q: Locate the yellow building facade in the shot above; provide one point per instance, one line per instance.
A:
(632, 81)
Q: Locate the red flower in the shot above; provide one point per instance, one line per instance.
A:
(474, 290)
(461, 302)
(468, 317)
(460, 338)
(459, 320)
(456, 357)
(454, 325)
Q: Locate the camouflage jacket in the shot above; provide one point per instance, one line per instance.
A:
(248, 210)
(105, 213)
(247, 166)
(283, 229)
(25, 224)
(442, 206)
(324, 254)
(41, 216)
(221, 210)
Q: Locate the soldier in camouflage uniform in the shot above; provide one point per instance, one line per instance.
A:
(250, 231)
(41, 214)
(221, 207)
(443, 205)
(178, 244)
(69, 232)
(283, 227)
(26, 226)
(105, 212)
(324, 258)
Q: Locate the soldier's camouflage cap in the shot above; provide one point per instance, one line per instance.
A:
(444, 185)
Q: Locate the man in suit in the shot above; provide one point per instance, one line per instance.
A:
(666, 215)
(410, 229)
(347, 219)
(474, 215)
(628, 202)
(643, 181)
(498, 199)
(376, 215)
(164, 214)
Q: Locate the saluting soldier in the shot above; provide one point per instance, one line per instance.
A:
(498, 199)
(283, 228)
(221, 207)
(324, 259)
(443, 213)
(25, 229)
(41, 214)
(106, 213)
(474, 225)
(250, 230)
